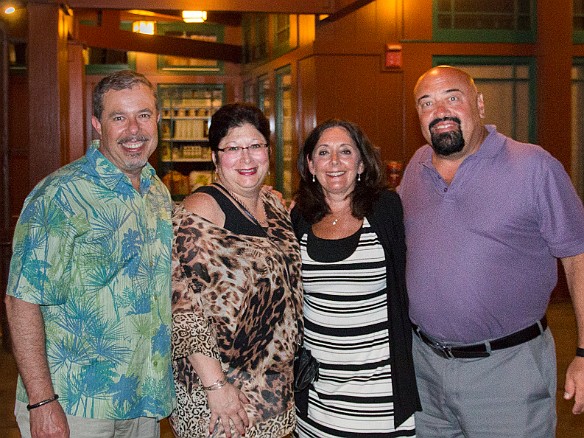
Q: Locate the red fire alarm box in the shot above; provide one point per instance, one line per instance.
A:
(393, 56)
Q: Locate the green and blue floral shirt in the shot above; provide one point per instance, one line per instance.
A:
(94, 253)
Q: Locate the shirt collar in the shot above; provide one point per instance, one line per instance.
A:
(492, 144)
(104, 172)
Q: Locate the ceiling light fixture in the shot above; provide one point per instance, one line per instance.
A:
(9, 7)
(142, 12)
(194, 16)
(145, 27)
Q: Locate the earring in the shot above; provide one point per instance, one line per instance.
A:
(313, 177)
(358, 177)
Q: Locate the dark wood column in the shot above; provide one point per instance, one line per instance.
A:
(554, 91)
(48, 89)
(554, 63)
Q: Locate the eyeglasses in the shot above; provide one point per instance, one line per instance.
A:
(255, 149)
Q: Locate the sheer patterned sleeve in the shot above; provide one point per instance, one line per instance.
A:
(192, 331)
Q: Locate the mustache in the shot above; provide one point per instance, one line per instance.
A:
(444, 119)
(133, 138)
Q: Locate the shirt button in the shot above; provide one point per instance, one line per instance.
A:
(445, 189)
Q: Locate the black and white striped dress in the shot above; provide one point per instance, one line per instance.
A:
(346, 329)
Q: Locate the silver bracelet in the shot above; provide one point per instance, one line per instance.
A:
(220, 383)
(42, 403)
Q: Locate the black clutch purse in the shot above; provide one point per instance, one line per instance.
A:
(305, 369)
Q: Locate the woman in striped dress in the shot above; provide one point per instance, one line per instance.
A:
(350, 228)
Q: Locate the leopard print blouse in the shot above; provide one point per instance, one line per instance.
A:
(236, 298)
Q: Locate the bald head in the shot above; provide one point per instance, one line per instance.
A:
(445, 71)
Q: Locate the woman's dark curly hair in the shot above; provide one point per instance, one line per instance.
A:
(310, 198)
(233, 115)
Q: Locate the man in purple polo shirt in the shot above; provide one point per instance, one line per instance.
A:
(486, 219)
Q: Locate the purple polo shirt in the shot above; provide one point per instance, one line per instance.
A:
(482, 251)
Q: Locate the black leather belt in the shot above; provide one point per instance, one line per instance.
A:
(483, 349)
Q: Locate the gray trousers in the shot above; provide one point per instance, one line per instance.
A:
(93, 428)
(511, 393)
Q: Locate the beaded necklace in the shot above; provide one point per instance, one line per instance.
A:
(246, 210)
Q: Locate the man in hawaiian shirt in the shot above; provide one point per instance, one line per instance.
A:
(88, 298)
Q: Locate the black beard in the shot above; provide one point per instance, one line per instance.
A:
(447, 143)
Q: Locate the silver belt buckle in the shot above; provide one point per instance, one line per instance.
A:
(446, 350)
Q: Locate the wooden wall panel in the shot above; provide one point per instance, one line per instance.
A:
(360, 26)
(307, 97)
(355, 88)
(417, 20)
(345, 87)
(390, 127)
(389, 19)
(349, 33)
(366, 31)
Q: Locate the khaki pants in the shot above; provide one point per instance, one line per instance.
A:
(94, 428)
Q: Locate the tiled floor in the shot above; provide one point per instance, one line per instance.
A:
(561, 321)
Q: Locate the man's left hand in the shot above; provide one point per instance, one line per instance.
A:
(574, 387)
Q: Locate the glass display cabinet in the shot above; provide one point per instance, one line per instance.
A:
(185, 156)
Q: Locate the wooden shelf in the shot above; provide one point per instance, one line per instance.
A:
(186, 160)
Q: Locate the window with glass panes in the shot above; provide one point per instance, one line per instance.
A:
(578, 21)
(282, 30)
(488, 21)
(255, 37)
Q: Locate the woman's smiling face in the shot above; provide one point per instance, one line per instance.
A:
(336, 161)
(245, 170)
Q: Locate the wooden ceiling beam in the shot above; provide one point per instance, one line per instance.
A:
(116, 39)
(347, 7)
(272, 6)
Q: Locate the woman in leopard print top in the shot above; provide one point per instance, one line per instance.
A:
(236, 293)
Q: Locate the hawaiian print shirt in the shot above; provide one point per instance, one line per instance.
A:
(95, 255)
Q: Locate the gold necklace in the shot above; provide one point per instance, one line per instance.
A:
(247, 210)
(339, 215)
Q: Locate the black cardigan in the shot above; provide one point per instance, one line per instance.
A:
(387, 222)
